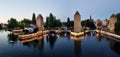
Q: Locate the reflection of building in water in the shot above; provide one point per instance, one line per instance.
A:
(77, 47)
(36, 44)
(77, 44)
(41, 44)
(12, 39)
(115, 46)
(77, 38)
(98, 35)
(51, 40)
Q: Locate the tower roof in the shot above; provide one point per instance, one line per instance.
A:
(40, 16)
(77, 13)
(113, 15)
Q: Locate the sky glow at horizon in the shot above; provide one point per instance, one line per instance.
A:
(62, 9)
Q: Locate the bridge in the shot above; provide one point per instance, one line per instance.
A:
(61, 32)
(69, 32)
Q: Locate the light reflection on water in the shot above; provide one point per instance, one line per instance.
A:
(61, 46)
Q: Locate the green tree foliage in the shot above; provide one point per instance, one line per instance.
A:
(52, 22)
(24, 23)
(33, 19)
(88, 23)
(58, 23)
(12, 23)
(21, 25)
(117, 24)
(69, 23)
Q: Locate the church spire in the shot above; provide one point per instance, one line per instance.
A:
(90, 17)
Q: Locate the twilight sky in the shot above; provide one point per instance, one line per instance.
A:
(19, 9)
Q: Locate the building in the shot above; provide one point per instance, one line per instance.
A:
(98, 24)
(77, 22)
(40, 22)
(29, 29)
(105, 24)
(113, 20)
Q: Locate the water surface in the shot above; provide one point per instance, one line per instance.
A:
(61, 46)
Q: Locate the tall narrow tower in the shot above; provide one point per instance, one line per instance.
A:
(113, 20)
(77, 22)
(40, 22)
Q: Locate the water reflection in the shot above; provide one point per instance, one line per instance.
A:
(35, 44)
(115, 46)
(99, 37)
(12, 39)
(77, 47)
(51, 40)
(63, 46)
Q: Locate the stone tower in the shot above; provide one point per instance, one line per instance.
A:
(77, 22)
(113, 20)
(40, 22)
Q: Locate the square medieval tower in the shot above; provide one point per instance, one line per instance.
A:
(77, 22)
(40, 22)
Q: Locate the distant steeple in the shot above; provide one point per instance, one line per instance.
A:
(90, 17)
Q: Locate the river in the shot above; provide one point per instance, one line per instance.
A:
(60, 46)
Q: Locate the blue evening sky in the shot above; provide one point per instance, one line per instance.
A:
(19, 9)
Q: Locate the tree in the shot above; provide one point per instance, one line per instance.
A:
(12, 23)
(52, 22)
(33, 19)
(117, 24)
(88, 23)
(58, 23)
(68, 22)
(24, 23)
(0, 26)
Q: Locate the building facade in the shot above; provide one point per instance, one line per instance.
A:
(40, 22)
(98, 24)
(77, 22)
(113, 20)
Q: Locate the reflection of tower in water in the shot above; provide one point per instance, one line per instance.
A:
(12, 39)
(41, 44)
(77, 47)
(51, 40)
